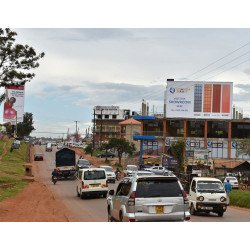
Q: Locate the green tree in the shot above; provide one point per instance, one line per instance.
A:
(26, 127)
(105, 146)
(89, 149)
(177, 150)
(16, 60)
(122, 146)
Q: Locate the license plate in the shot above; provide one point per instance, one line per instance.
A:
(94, 185)
(65, 168)
(207, 208)
(159, 209)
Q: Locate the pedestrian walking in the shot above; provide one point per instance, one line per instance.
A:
(228, 188)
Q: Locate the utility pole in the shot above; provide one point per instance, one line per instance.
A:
(94, 132)
(101, 129)
(76, 130)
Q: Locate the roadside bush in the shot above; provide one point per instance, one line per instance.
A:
(240, 198)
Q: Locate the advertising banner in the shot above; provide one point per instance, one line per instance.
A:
(14, 104)
(203, 100)
(169, 162)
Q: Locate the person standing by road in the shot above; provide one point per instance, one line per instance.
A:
(228, 188)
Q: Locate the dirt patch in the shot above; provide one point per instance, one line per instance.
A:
(36, 203)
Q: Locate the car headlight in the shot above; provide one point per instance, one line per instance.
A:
(222, 199)
(201, 198)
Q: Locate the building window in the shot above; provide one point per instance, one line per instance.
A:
(123, 129)
(113, 116)
(99, 116)
(106, 116)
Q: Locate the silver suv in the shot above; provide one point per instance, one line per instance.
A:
(148, 198)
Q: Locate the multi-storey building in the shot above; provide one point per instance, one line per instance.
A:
(107, 119)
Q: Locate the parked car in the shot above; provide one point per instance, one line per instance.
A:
(92, 181)
(109, 154)
(130, 169)
(156, 169)
(148, 198)
(207, 195)
(110, 173)
(83, 163)
(233, 180)
(38, 157)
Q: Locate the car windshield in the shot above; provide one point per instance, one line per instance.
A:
(210, 186)
(158, 188)
(94, 175)
(232, 179)
(83, 162)
(132, 168)
(108, 169)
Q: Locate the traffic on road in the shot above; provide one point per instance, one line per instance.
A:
(141, 195)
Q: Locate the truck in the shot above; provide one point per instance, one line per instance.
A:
(65, 163)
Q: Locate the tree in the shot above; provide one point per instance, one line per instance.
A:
(89, 149)
(105, 146)
(177, 150)
(26, 127)
(16, 60)
(121, 146)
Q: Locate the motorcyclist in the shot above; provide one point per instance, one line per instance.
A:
(117, 171)
(54, 173)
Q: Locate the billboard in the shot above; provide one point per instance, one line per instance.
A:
(107, 110)
(202, 100)
(14, 104)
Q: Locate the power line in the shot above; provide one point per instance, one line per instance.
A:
(228, 69)
(221, 66)
(219, 59)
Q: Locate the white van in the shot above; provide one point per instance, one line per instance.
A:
(49, 147)
(207, 195)
(92, 181)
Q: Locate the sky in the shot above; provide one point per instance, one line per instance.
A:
(85, 67)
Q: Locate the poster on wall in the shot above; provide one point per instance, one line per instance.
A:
(14, 104)
(204, 100)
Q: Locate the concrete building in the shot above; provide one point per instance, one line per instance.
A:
(129, 128)
(107, 119)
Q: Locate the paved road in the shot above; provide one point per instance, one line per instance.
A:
(91, 209)
(95, 209)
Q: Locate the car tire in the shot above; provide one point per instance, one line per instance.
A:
(220, 214)
(104, 195)
(120, 216)
(78, 194)
(82, 196)
(192, 210)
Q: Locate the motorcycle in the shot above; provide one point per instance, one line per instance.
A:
(54, 179)
(118, 176)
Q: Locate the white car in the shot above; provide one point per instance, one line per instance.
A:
(92, 181)
(207, 195)
(130, 169)
(110, 173)
(233, 180)
(156, 169)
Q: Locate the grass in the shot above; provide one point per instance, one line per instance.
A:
(13, 169)
(97, 152)
(17, 155)
(12, 164)
(240, 198)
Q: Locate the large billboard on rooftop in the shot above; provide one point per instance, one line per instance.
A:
(201, 100)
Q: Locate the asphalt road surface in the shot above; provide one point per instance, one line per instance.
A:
(95, 209)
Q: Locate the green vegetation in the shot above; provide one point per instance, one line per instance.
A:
(97, 152)
(17, 155)
(12, 164)
(240, 198)
(178, 149)
(10, 186)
